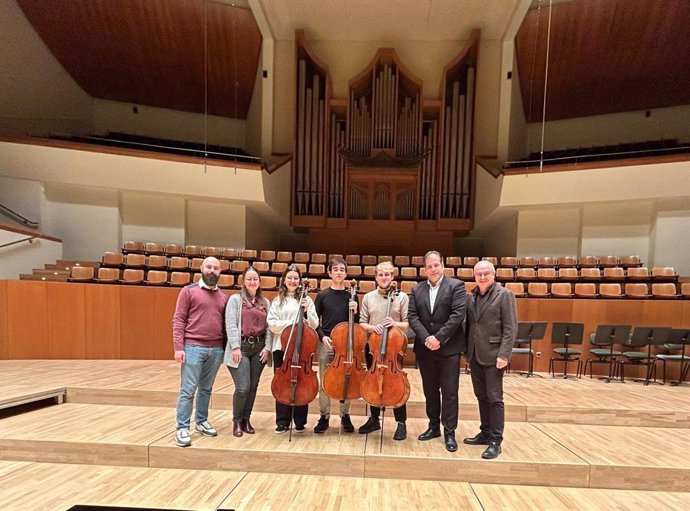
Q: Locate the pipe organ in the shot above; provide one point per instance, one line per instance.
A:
(385, 157)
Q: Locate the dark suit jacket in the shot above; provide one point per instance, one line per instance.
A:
(492, 326)
(446, 320)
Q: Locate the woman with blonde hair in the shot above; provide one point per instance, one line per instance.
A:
(248, 346)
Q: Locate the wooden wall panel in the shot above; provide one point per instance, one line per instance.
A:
(66, 321)
(44, 320)
(658, 313)
(136, 322)
(4, 341)
(161, 337)
(27, 319)
(102, 314)
(4, 337)
(623, 312)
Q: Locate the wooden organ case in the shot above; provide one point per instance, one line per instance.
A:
(384, 170)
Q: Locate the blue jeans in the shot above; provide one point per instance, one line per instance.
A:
(197, 372)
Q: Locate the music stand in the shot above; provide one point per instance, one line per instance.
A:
(679, 336)
(566, 334)
(527, 332)
(645, 336)
(611, 334)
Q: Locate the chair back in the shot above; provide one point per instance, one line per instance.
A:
(608, 261)
(132, 276)
(470, 261)
(638, 272)
(284, 257)
(192, 251)
(466, 274)
(637, 290)
(629, 261)
(154, 248)
(156, 277)
(505, 274)
(567, 262)
(226, 281)
(610, 290)
(614, 273)
(567, 274)
(665, 290)
(561, 290)
(398, 261)
(538, 289)
(82, 273)
(509, 262)
(547, 262)
(517, 288)
(108, 275)
(585, 290)
(267, 255)
(178, 278)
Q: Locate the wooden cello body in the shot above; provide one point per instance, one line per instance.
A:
(385, 384)
(295, 383)
(343, 377)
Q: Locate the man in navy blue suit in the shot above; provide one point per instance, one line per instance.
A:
(436, 312)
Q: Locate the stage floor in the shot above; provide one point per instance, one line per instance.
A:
(117, 422)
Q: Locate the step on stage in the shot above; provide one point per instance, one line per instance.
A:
(581, 434)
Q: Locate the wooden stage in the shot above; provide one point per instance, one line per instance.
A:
(575, 444)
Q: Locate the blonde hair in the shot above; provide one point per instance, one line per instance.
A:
(385, 266)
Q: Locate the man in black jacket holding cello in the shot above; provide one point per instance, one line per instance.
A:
(436, 312)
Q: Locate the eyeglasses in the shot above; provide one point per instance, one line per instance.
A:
(484, 274)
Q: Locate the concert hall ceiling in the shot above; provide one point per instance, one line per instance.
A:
(388, 20)
(605, 56)
(152, 52)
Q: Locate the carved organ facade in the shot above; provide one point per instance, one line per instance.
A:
(385, 160)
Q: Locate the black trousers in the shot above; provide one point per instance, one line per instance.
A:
(399, 413)
(487, 382)
(284, 413)
(440, 381)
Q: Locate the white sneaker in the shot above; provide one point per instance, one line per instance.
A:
(182, 438)
(206, 429)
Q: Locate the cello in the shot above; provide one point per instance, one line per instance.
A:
(295, 383)
(385, 384)
(343, 377)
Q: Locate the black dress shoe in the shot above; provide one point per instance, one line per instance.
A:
(400, 432)
(480, 439)
(372, 424)
(451, 444)
(492, 451)
(429, 434)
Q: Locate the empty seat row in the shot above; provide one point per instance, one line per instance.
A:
(519, 289)
(156, 277)
(628, 261)
(587, 274)
(174, 249)
(589, 290)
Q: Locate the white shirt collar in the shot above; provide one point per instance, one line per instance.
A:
(438, 282)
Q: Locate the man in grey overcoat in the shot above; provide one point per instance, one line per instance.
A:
(492, 330)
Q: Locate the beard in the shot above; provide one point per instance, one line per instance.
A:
(210, 279)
